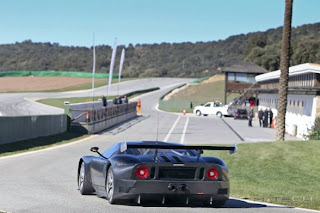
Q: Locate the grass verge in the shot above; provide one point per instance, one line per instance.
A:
(39, 143)
(196, 94)
(286, 173)
(59, 102)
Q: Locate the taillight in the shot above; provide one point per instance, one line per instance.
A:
(212, 174)
(237, 114)
(142, 172)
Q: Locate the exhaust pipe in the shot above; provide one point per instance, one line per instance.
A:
(183, 187)
(172, 187)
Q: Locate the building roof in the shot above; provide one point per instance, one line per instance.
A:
(245, 67)
(291, 90)
(294, 70)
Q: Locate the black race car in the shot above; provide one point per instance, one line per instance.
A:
(157, 171)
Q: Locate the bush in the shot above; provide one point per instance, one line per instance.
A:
(315, 131)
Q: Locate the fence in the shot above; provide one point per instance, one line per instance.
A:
(97, 119)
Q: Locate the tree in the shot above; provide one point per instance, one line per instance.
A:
(284, 69)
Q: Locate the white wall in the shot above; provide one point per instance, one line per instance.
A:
(301, 111)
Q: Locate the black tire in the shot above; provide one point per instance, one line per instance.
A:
(219, 114)
(110, 186)
(198, 113)
(84, 186)
(205, 114)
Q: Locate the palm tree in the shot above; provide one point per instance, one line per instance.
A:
(284, 68)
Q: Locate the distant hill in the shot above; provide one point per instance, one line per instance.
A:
(168, 60)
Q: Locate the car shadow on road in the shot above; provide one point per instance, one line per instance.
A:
(234, 203)
(231, 203)
(124, 125)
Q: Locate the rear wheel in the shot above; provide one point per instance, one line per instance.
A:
(110, 186)
(219, 114)
(198, 112)
(83, 184)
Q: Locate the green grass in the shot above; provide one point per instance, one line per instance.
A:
(39, 143)
(197, 94)
(204, 92)
(59, 102)
(286, 173)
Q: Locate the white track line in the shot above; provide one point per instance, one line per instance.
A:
(184, 131)
(275, 205)
(172, 128)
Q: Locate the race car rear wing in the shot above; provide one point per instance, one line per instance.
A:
(124, 146)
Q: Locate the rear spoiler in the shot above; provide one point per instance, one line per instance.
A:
(124, 146)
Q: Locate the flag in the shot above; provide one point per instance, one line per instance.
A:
(121, 64)
(120, 68)
(113, 57)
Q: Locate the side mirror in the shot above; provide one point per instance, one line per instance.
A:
(94, 149)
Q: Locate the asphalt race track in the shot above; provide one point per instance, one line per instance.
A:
(46, 181)
(13, 104)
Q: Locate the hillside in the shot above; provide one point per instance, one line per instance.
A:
(165, 59)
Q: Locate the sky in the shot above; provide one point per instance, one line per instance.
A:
(74, 22)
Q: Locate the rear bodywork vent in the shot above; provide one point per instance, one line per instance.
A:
(177, 159)
(177, 173)
(165, 158)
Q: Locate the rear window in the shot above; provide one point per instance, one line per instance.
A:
(181, 152)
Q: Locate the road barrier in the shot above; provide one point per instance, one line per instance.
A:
(17, 128)
(96, 118)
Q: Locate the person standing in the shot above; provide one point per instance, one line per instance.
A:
(104, 101)
(125, 99)
(117, 100)
(270, 114)
(260, 116)
(251, 114)
(139, 111)
(265, 118)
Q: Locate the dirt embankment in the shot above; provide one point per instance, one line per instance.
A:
(190, 88)
(31, 83)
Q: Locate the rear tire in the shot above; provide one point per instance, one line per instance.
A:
(198, 113)
(110, 186)
(84, 186)
(219, 114)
